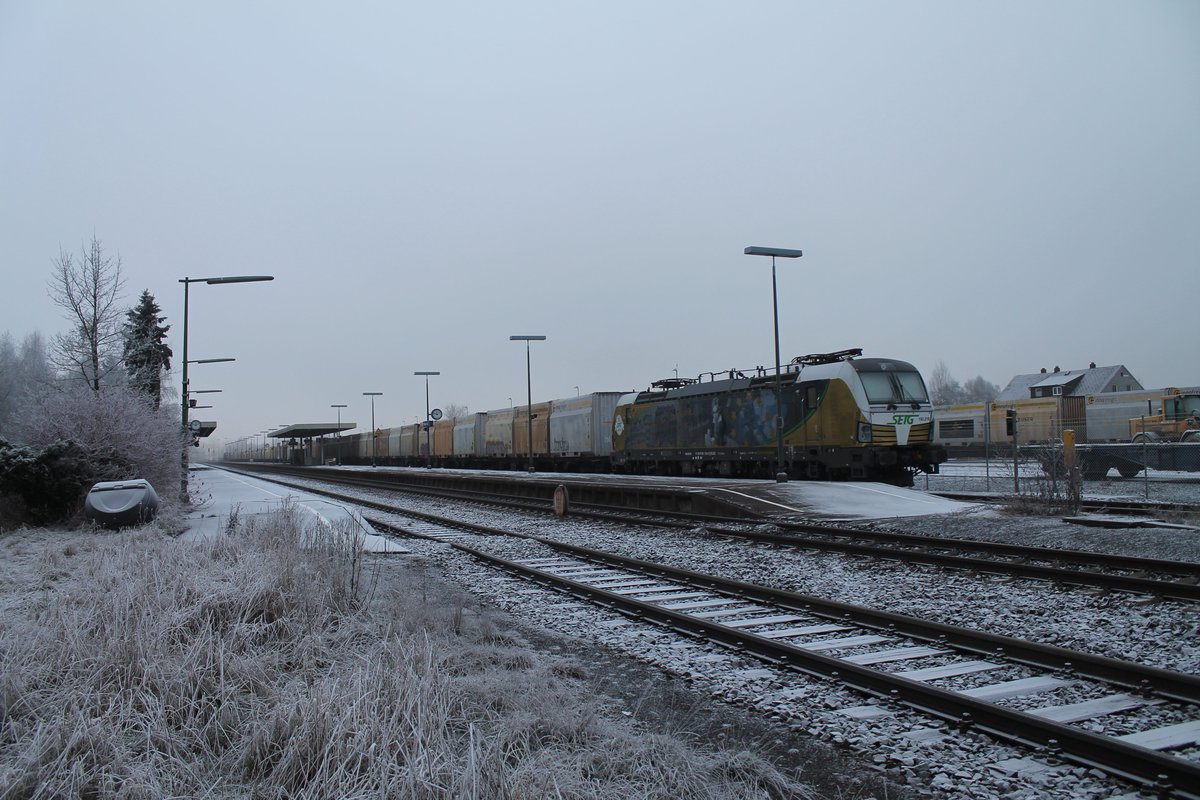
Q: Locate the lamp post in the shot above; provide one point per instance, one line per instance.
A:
(373, 395)
(428, 427)
(192, 403)
(528, 386)
(183, 398)
(188, 404)
(339, 407)
(776, 252)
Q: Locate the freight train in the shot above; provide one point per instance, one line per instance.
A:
(843, 417)
(1150, 415)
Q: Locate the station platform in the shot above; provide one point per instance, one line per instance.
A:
(754, 500)
(217, 493)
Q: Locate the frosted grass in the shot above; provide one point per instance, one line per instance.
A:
(276, 661)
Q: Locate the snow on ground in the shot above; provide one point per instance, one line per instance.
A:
(857, 500)
(223, 494)
(946, 766)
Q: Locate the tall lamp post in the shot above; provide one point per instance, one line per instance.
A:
(528, 386)
(183, 398)
(428, 427)
(339, 407)
(373, 395)
(776, 252)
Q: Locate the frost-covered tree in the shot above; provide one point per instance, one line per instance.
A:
(944, 390)
(146, 355)
(23, 370)
(88, 291)
(9, 381)
(454, 410)
(118, 429)
(979, 390)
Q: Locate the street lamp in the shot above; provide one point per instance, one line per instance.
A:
(187, 282)
(776, 252)
(339, 407)
(428, 427)
(192, 403)
(528, 386)
(373, 395)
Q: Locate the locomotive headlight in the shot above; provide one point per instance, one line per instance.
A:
(864, 431)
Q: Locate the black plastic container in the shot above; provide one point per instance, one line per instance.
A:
(116, 504)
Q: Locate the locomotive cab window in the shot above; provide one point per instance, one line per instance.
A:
(894, 387)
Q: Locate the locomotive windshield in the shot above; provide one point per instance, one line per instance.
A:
(894, 387)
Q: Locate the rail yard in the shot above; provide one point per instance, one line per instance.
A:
(955, 667)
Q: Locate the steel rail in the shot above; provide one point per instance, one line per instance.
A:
(1111, 506)
(999, 548)
(1183, 590)
(1137, 677)
(1110, 755)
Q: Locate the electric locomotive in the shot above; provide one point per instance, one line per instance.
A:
(843, 418)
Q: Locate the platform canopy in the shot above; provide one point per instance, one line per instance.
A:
(200, 428)
(307, 430)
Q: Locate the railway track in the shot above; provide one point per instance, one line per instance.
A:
(1110, 506)
(1099, 571)
(1149, 576)
(1117, 716)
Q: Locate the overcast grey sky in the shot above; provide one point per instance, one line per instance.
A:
(998, 185)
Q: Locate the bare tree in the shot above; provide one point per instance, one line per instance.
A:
(946, 391)
(943, 388)
(88, 292)
(454, 411)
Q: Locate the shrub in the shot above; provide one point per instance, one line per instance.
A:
(42, 485)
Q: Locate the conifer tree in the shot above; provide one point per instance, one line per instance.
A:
(146, 354)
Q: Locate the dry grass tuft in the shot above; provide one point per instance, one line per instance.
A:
(275, 662)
